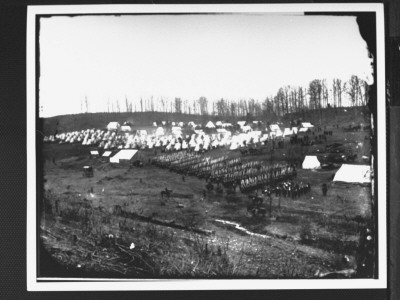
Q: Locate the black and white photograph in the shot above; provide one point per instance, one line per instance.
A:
(206, 147)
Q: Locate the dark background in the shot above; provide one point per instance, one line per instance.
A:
(13, 167)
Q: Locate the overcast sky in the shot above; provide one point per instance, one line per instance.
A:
(106, 58)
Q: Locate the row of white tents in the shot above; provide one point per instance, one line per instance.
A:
(161, 138)
(244, 125)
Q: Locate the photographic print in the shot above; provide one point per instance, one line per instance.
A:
(206, 146)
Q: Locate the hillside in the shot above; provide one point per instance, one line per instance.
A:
(344, 116)
(65, 123)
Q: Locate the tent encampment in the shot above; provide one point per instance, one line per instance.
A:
(124, 155)
(311, 162)
(353, 174)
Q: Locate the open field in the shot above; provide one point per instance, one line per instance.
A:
(88, 224)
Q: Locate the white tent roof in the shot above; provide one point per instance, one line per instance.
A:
(125, 154)
(274, 127)
(113, 125)
(241, 123)
(218, 123)
(94, 152)
(233, 146)
(126, 128)
(307, 125)
(287, 131)
(246, 128)
(353, 174)
(141, 132)
(303, 129)
(160, 131)
(210, 125)
(311, 162)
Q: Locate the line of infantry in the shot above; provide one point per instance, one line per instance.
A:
(250, 175)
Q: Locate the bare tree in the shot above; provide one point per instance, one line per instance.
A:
(86, 104)
(353, 90)
(314, 91)
(280, 101)
(178, 105)
(233, 108)
(203, 104)
(301, 92)
(324, 93)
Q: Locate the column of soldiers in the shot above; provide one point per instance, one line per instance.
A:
(251, 175)
(268, 175)
(289, 189)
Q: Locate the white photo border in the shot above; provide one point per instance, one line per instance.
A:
(86, 284)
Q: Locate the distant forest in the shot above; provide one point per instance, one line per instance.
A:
(288, 99)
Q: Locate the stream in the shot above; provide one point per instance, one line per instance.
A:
(238, 227)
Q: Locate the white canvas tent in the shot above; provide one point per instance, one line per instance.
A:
(210, 125)
(274, 127)
(311, 162)
(287, 131)
(246, 128)
(141, 132)
(124, 154)
(126, 128)
(113, 126)
(307, 125)
(107, 153)
(224, 125)
(241, 123)
(94, 153)
(159, 131)
(353, 174)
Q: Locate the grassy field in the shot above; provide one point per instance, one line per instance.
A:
(181, 237)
